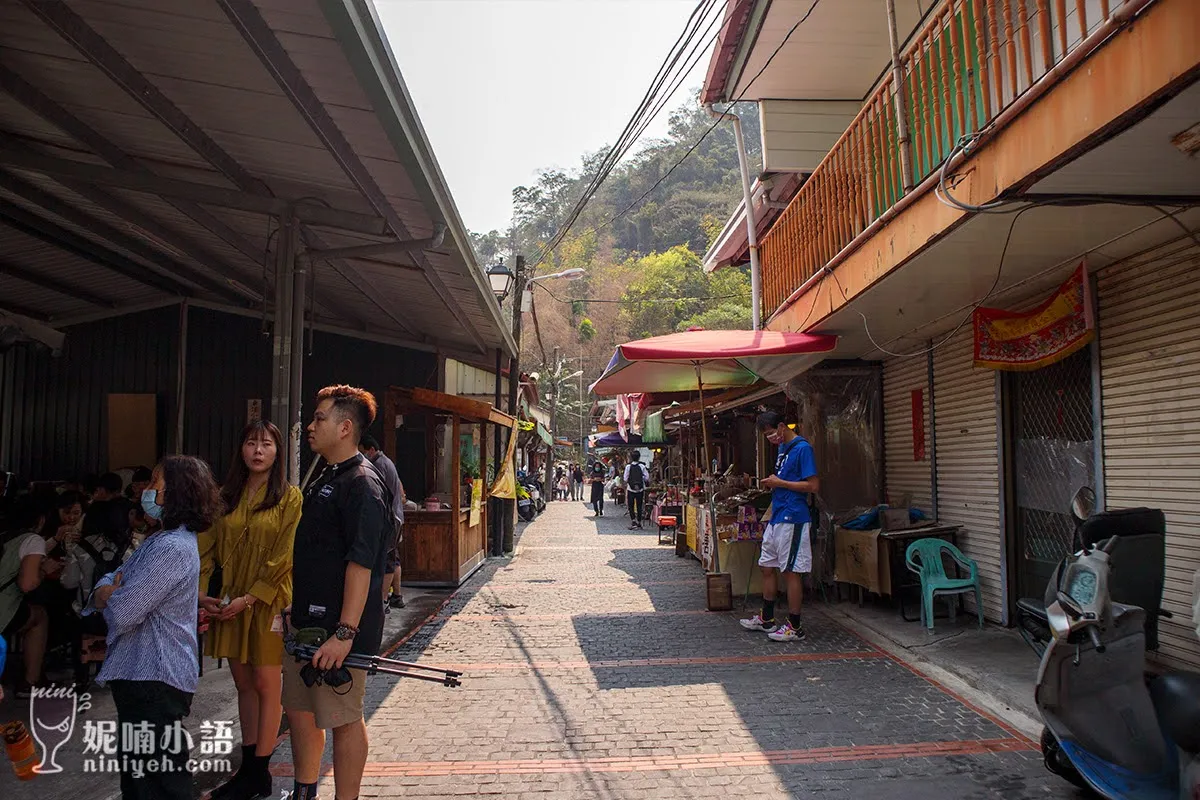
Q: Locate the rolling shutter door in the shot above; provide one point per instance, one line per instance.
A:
(1150, 389)
(968, 468)
(903, 474)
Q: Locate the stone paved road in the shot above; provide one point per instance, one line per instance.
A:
(593, 671)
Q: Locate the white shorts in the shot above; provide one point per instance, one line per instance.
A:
(778, 539)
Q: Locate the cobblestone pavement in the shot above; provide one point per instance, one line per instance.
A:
(593, 671)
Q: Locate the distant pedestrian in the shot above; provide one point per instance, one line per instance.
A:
(576, 482)
(636, 478)
(599, 473)
(786, 543)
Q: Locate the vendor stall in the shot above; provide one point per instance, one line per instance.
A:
(445, 538)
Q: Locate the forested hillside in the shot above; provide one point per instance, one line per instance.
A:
(641, 252)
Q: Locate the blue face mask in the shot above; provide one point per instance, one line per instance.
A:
(150, 504)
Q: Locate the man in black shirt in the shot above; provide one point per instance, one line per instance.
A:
(337, 575)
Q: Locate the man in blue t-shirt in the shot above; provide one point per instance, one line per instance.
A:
(786, 543)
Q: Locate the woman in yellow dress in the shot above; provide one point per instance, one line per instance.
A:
(251, 547)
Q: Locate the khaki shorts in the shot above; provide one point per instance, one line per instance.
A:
(332, 708)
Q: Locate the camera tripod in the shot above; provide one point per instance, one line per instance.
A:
(303, 644)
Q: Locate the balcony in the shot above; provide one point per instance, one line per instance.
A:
(971, 67)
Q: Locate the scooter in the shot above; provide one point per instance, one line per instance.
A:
(525, 507)
(1110, 726)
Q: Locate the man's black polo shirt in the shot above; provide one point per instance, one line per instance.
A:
(346, 518)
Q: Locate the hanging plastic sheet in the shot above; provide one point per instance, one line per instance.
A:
(840, 413)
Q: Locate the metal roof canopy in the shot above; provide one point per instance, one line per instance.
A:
(149, 149)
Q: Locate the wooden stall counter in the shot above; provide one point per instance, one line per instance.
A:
(444, 548)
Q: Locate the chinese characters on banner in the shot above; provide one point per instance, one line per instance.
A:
(1059, 327)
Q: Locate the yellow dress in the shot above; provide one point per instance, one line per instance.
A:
(255, 551)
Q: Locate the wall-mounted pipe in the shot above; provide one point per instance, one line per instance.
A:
(751, 222)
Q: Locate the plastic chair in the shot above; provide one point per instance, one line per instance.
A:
(924, 557)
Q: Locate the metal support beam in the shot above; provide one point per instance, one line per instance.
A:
(281, 334)
(24, 311)
(40, 103)
(38, 279)
(296, 370)
(32, 225)
(190, 190)
(271, 52)
(382, 248)
(75, 30)
(227, 289)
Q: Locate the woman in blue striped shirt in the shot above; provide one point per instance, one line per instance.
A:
(150, 606)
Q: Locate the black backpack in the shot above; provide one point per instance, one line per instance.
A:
(637, 477)
(102, 564)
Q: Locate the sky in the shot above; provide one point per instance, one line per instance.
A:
(506, 88)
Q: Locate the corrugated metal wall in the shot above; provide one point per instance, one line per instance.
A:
(228, 363)
(1150, 389)
(54, 411)
(905, 475)
(968, 465)
(374, 367)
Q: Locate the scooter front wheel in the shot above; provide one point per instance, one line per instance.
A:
(1057, 762)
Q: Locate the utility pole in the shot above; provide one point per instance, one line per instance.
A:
(514, 366)
(582, 445)
(514, 381)
(555, 387)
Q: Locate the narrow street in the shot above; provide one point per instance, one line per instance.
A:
(593, 671)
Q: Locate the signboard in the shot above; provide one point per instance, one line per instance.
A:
(253, 410)
(1062, 325)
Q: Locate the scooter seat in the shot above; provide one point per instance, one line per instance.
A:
(1034, 608)
(1177, 701)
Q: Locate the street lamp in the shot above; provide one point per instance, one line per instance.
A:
(501, 278)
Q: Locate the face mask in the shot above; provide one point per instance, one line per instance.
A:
(150, 504)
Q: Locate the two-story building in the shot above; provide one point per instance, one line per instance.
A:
(974, 184)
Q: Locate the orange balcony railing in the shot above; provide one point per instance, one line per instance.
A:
(969, 61)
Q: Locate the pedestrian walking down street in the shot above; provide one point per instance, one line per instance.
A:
(250, 551)
(369, 447)
(786, 546)
(576, 482)
(636, 478)
(597, 480)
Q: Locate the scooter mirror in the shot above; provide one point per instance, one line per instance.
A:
(1083, 504)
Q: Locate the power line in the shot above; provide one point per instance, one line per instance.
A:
(698, 142)
(637, 123)
(646, 300)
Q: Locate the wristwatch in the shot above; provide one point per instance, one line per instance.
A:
(345, 632)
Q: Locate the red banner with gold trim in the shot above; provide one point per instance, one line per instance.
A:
(1011, 340)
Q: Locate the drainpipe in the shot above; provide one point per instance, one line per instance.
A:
(751, 223)
(906, 172)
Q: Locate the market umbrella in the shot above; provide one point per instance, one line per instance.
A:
(696, 360)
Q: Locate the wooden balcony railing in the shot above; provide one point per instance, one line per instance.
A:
(968, 62)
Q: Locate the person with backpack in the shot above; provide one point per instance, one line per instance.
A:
(23, 567)
(636, 478)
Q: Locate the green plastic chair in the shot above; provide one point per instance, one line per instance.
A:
(924, 557)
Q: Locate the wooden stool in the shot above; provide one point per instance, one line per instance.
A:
(667, 524)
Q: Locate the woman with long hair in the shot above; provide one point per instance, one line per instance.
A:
(149, 605)
(250, 547)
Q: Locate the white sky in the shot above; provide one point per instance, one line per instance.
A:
(506, 88)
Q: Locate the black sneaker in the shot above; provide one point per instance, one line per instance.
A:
(397, 601)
